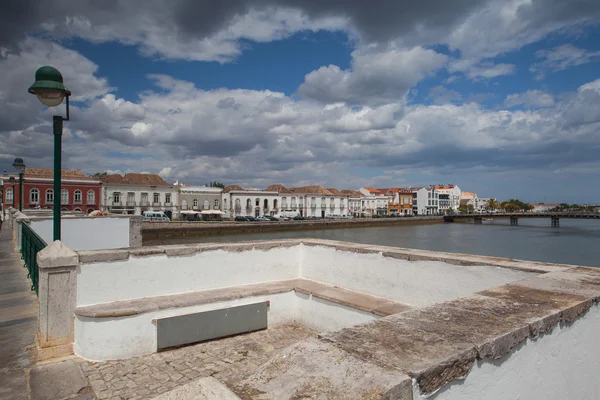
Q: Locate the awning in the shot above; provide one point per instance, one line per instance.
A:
(213, 212)
(189, 212)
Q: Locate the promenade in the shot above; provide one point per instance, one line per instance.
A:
(18, 320)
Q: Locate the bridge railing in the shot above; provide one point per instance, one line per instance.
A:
(31, 243)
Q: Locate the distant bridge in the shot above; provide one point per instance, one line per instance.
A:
(514, 217)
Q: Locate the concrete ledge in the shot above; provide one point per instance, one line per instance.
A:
(361, 301)
(438, 344)
(97, 256)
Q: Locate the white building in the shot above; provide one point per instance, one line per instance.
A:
(355, 202)
(425, 201)
(543, 207)
(375, 202)
(238, 201)
(317, 201)
(136, 193)
(450, 198)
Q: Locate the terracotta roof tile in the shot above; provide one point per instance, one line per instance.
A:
(334, 191)
(134, 179)
(229, 188)
(353, 193)
(314, 189)
(279, 188)
(32, 173)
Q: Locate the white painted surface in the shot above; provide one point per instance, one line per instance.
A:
(556, 366)
(87, 233)
(162, 275)
(117, 338)
(325, 316)
(100, 339)
(416, 283)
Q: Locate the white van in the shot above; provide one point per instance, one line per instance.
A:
(288, 214)
(155, 216)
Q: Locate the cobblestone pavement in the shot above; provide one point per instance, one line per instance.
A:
(229, 360)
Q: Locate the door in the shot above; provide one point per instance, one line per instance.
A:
(322, 214)
(257, 213)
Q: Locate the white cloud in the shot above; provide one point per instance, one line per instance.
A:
(476, 69)
(560, 58)
(594, 85)
(530, 99)
(376, 76)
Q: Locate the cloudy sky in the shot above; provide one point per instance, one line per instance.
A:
(501, 97)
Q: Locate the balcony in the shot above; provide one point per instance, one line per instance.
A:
(323, 206)
(194, 207)
(114, 203)
(130, 203)
(90, 202)
(144, 203)
(313, 206)
(77, 202)
(156, 204)
(168, 204)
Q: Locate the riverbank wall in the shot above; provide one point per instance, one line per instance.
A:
(154, 231)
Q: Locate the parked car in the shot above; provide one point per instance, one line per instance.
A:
(155, 216)
(262, 219)
(298, 218)
(271, 218)
(251, 219)
(241, 219)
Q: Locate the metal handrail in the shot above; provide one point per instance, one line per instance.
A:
(31, 244)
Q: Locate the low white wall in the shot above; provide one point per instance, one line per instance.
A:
(86, 233)
(100, 339)
(416, 283)
(161, 275)
(560, 365)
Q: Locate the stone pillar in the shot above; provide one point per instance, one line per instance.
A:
(57, 295)
(135, 231)
(19, 219)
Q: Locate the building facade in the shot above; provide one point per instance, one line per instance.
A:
(425, 201)
(375, 202)
(135, 193)
(399, 201)
(449, 196)
(79, 193)
(238, 201)
(199, 198)
(319, 202)
(355, 202)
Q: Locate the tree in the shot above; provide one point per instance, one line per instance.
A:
(216, 184)
(492, 205)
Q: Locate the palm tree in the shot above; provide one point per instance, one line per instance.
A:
(492, 205)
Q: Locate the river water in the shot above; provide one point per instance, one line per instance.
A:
(575, 242)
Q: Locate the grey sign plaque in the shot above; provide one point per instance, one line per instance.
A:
(206, 325)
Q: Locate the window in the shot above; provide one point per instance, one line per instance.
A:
(167, 197)
(156, 197)
(9, 195)
(49, 196)
(144, 199)
(131, 198)
(293, 202)
(64, 196)
(429, 194)
(34, 196)
(257, 202)
(238, 205)
(91, 197)
(224, 204)
(184, 204)
(77, 197)
(216, 204)
(116, 197)
(195, 202)
(284, 202)
(206, 204)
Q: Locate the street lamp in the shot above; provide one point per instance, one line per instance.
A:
(50, 91)
(12, 180)
(19, 166)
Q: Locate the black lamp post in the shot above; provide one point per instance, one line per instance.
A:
(12, 180)
(20, 166)
(50, 91)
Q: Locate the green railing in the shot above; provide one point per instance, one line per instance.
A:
(31, 243)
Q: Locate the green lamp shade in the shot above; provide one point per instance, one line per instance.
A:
(18, 164)
(48, 86)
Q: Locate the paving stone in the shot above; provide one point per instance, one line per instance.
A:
(56, 381)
